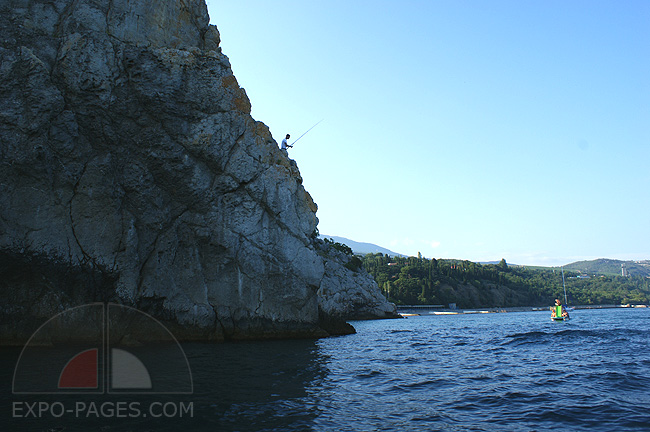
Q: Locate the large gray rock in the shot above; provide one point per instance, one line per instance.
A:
(347, 290)
(131, 171)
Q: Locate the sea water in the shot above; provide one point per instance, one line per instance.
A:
(474, 372)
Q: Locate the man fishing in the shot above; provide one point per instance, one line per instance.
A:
(285, 144)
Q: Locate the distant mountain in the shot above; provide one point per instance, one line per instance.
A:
(611, 267)
(360, 247)
(497, 262)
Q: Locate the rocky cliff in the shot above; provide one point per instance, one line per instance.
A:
(132, 172)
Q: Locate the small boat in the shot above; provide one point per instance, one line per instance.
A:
(560, 318)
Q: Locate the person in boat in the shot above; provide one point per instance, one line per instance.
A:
(554, 310)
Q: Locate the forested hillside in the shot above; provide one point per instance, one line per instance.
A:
(611, 267)
(471, 285)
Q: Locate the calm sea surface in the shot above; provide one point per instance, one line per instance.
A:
(480, 372)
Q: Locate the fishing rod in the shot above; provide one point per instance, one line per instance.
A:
(565, 300)
(306, 132)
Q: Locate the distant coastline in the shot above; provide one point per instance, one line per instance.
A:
(432, 310)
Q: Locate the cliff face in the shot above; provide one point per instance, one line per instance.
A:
(132, 172)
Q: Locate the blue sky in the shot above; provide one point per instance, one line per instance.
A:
(477, 129)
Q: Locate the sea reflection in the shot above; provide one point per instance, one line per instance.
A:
(243, 386)
(257, 385)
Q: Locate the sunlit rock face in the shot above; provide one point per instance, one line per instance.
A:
(132, 172)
